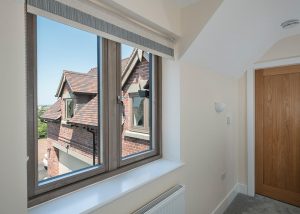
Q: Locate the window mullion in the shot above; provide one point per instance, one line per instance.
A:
(103, 104)
(113, 62)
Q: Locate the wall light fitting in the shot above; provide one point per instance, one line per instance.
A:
(220, 107)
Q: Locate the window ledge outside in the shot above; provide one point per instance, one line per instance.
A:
(93, 197)
(137, 135)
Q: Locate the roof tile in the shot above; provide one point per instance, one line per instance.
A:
(81, 83)
(54, 112)
(88, 114)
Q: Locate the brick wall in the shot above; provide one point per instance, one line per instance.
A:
(53, 160)
(133, 145)
(73, 138)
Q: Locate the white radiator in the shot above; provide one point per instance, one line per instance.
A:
(170, 202)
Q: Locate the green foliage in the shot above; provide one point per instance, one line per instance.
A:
(42, 129)
(42, 126)
(41, 110)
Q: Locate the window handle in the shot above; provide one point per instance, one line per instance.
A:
(120, 99)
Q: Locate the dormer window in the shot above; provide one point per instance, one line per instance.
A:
(69, 103)
(139, 113)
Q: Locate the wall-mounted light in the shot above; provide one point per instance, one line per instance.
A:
(220, 107)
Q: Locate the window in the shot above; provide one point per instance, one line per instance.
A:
(93, 108)
(69, 103)
(138, 112)
(65, 91)
(137, 80)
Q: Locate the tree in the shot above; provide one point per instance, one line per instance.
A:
(42, 129)
(42, 126)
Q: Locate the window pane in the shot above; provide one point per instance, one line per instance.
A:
(69, 108)
(138, 111)
(67, 92)
(135, 81)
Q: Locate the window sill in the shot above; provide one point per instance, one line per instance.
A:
(99, 194)
(137, 135)
(65, 122)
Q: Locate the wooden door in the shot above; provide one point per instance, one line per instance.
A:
(277, 147)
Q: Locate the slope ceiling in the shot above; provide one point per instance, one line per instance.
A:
(185, 3)
(240, 32)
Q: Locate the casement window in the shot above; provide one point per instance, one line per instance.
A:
(109, 94)
(138, 119)
(69, 104)
(139, 113)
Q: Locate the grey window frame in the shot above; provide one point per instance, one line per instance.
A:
(109, 123)
(155, 64)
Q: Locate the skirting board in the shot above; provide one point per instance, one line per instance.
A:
(222, 206)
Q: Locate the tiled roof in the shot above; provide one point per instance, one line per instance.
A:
(88, 114)
(81, 83)
(93, 72)
(86, 82)
(54, 112)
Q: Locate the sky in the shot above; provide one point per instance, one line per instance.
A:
(60, 47)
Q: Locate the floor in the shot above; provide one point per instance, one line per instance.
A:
(243, 204)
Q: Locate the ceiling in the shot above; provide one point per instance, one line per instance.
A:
(185, 3)
(240, 32)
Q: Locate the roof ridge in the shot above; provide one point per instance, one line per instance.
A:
(78, 73)
(134, 51)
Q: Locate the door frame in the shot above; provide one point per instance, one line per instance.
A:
(251, 113)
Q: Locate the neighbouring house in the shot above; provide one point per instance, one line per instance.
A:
(72, 120)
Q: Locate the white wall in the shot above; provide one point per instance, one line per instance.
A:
(12, 109)
(209, 145)
(68, 163)
(194, 17)
(285, 48)
(242, 147)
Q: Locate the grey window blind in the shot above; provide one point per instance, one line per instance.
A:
(67, 14)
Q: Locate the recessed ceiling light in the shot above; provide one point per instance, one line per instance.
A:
(290, 23)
